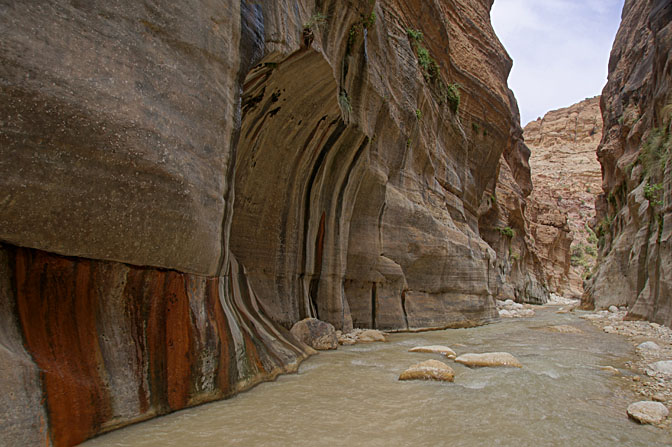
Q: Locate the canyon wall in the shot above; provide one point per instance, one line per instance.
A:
(567, 178)
(519, 273)
(635, 212)
(180, 183)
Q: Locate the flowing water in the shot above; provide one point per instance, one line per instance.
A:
(351, 397)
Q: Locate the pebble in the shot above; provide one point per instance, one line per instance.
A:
(613, 309)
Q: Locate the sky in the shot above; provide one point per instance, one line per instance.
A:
(560, 49)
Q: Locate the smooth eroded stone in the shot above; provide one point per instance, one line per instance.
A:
(664, 366)
(434, 349)
(371, 335)
(429, 370)
(315, 333)
(613, 309)
(647, 412)
(489, 359)
(648, 346)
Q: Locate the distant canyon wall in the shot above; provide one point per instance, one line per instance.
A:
(635, 212)
(181, 183)
(567, 179)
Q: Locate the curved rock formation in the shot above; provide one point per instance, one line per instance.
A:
(519, 274)
(566, 177)
(179, 182)
(635, 212)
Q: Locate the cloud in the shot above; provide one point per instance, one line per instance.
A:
(560, 49)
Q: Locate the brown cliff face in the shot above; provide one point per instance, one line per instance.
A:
(163, 191)
(635, 212)
(357, 194)
(518, 273)
(566, 177)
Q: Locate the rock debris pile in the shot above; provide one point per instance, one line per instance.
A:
(652, 365)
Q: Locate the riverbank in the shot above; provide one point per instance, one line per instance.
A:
(352, 396)
(649, 373)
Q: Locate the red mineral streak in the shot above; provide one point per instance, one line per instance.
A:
(56, 306)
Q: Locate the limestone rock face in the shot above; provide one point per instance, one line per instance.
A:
(315, 333)
(429, 370)
(189, 179)
(647, 412)
(566, 177)
(489, 359)
(634, 221)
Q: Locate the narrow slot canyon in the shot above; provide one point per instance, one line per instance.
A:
(197, 198)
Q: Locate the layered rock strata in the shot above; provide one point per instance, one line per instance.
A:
(519, 273)
(567, 178)
(172, 174)
(635, 212)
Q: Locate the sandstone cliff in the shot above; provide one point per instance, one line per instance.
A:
(519, 274)
(179, 182)
(635, 211)
(566, 178)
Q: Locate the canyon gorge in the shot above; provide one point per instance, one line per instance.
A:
(182, 182)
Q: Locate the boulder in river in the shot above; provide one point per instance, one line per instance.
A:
(371, 335)
(648, 412)
(489, 359)
(649, 346)
(444, 350)
(316, 333)
(429, 370)
(664, 366)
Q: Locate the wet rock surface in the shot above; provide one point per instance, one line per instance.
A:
(648, 412)
(489, 359)
(429, 370)
(317, 334)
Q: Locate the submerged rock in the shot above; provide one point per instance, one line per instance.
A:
(429, 370)
(489, 359)
(445, 350)
(563, 329)
(648, 412)
(315, 333)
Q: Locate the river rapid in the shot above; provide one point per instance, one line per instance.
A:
(351, 397)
